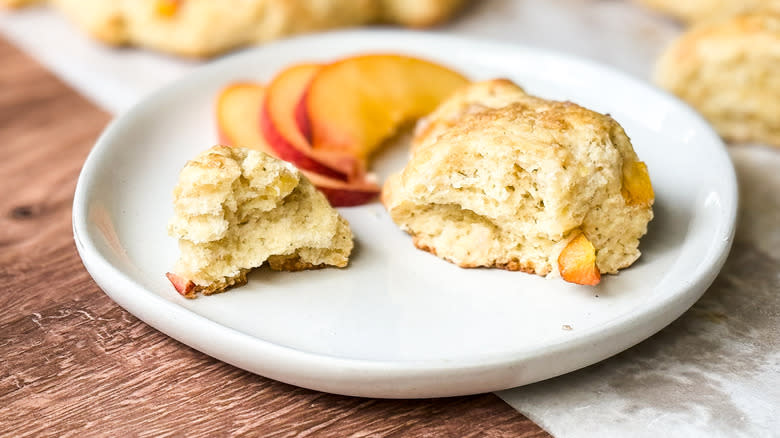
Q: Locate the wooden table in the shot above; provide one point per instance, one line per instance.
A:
(73, 363)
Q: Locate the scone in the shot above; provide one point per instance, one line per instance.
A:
(236, 209)
(704, 10)
(509, 180)
(730, 72)
(201, 28)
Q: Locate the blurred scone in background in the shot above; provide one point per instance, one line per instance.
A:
(201, 28)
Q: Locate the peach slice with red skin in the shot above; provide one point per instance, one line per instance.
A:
(302, 116)
(577, 262)
(280, 128)
(354, 169)
(353, 105)
(183, 286)
(341, 194)
(238, 107)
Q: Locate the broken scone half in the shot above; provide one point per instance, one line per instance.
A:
(499, 178)
(236, 209)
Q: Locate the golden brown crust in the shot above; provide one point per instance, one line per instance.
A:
(511, 265)
(291, 263)
(517, 265)
(472, 98)
(219, 287)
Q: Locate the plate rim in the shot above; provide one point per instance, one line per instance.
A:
(379, 378)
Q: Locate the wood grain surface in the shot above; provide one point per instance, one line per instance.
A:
(73, 363)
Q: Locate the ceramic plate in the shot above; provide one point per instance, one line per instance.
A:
(400, 322)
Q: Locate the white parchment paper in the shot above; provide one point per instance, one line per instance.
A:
(715, 372)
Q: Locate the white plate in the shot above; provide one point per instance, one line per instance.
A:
(400, 322)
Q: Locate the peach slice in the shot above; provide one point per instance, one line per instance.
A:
(344, 194)
(281, 130)
(167, 8)
(353, 105)
(183, 286)
(238, 107)
(577, 262)
(637, 189)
